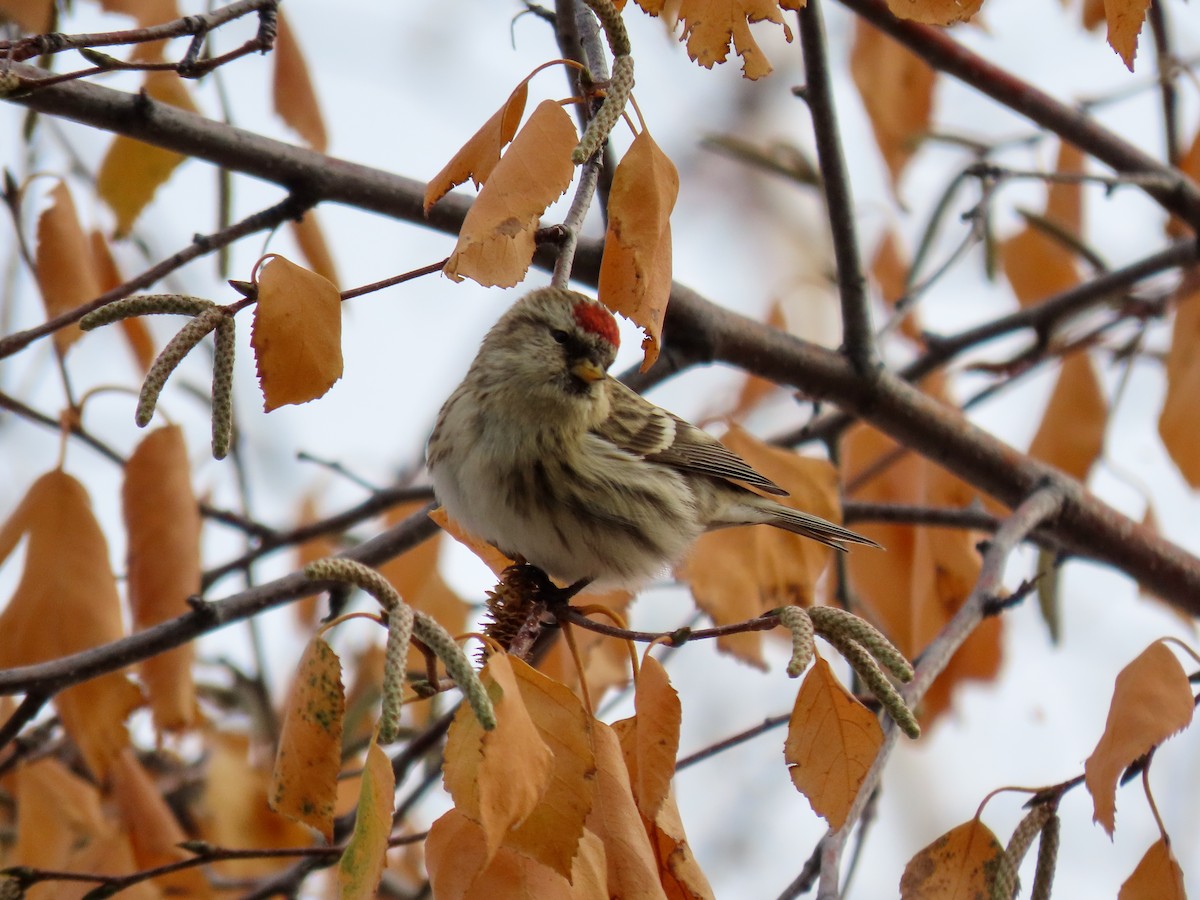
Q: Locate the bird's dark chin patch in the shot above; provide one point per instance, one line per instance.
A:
(577, 387)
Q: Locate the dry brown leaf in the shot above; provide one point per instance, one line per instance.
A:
(1091, 14)
(896, 87)
(362, 863)
(635, 271)
(458, 870)
(632, 867)
(132, 171)
(313, 246)
(739, 573)
(710, 26)
(1037, 264)
(1071, 436)
(56, 811)
(479, 156)
(935, 12)
(304, 782)
(1177, 421)
(154, 832)
(959, 865)
(650, 738)
(66, 271)
(682, 877)
(1152, 700)
(832, 741)
(496, 242)
(234, 811)
(292, 89)
(551, 831)
(162, 520)
(1157, 876)
(1125, 19)
(67, 580)
(111, 853)
(31, 16)
(498, 777)
(297, 334)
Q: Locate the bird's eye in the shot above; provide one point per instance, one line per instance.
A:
(559, 335)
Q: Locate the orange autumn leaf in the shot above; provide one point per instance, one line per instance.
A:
(605, 660)
(459, 869)
(959, 865)
(137, 335)
(739, 573)
(313, 246)
(1091, 14)
(635, 271)
(1071, 436)
(162, 520)
(650, 738)
(304, 781)
(66, 272)
(614, 818)
(293, 94)
(297, 334)
(31, 16)
(479, 156)
(55, 810)
(496, 242)
(1157, 876)
(935, 12)
(896, 87)
(67, 580)
(682, 878)
(132, 171)
(488, 779)
(154, 832)
(145, 12)
(1152, 700)
(711, 26)
(832, 741)
(1177, 421)
(498, 777)
(1125, 19)
(491, 557)
(1036, 263)
(362, 862)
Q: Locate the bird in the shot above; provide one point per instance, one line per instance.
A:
(545, 455)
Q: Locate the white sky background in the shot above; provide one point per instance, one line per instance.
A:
(402, 86)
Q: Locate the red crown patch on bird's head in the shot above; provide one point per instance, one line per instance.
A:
(594, 318)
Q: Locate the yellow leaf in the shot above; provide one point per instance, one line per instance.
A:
(832, 741)
(132, 171)
(304, 783)
(292, 88)
(1125, 18)
(1152, 700)
(738, 573)
(66, 273)
(632, 867)
(650, 740)
(495, 244)
(162, 520)
(31, 16)
(710, 26)
(896, 87)
(550, 829)
(635, 271)
(1071, 435)
(1177, 421)
(297, 334)
(67, 580)
(313, 246)
(362, 863)
(154, 832)
(935, 12)
(1157, 876)
(957, 866)
(479, 156)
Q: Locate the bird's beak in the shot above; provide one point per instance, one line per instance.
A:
(588, 371)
